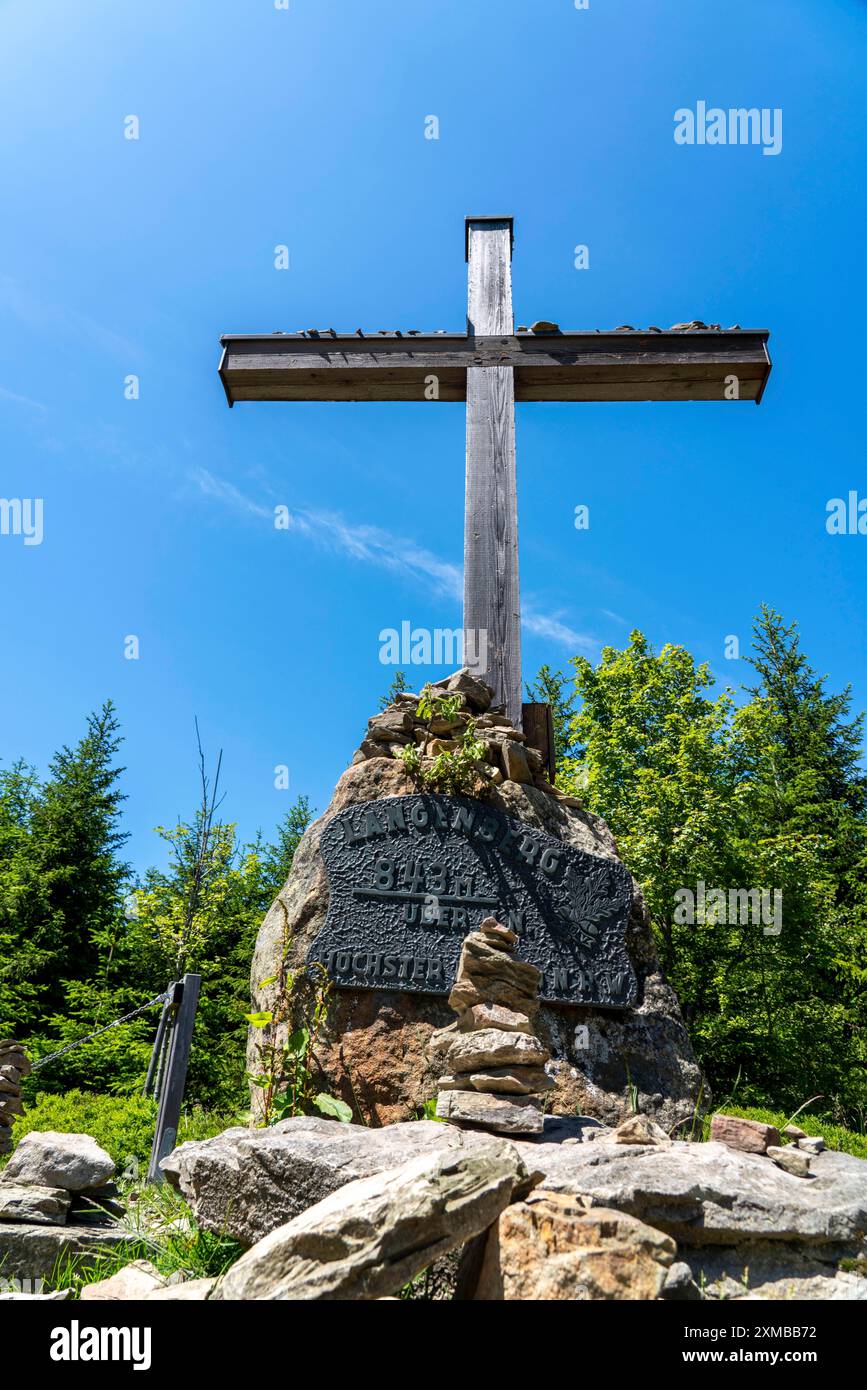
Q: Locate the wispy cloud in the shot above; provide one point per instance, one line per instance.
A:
(614, 617)
(373, 545)
(36, 313)
(15, 399)
(222, 491)
(552, 627)
(368, 544)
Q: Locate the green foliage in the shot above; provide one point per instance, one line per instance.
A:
(552, 688)
(453, 771)
(286, 1070)
(61, 881)
(123, 1125)
(81, 945)
(767, 794)
(399, 686)
(163, 1231)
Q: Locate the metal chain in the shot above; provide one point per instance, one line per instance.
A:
(160, 999)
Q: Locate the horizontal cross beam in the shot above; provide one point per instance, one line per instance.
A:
(679, 365)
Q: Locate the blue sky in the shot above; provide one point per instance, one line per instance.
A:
(305, 127)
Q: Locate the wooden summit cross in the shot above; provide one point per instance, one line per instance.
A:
(490, 367)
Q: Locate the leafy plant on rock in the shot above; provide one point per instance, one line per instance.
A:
(452, 771)
(286, 1069)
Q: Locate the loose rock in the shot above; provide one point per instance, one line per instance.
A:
(134, 1281)
(791, 1160)
(41, 1206)
(750, 1136)
(44, 1158)
(514, 1116)
(640, 1129)
(247, 1182)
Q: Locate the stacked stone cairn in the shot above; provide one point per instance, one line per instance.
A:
(57, 1180)
(509, 758)
(495, 1064)
(14, 1066)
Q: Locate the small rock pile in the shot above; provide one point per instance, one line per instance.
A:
(14, 1065)
(54, 1179)
(509, 758)
(495, 1063)
(753, 1136)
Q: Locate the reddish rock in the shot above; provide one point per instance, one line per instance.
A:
(750, 1136)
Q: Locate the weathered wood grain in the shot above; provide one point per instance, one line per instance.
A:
(565, 367)
(539, 730)
(491, 586)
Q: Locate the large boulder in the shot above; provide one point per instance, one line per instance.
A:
(44, 1158)
(246, 1183)
(373, 1049)
(374, 1235)
(551, 1247)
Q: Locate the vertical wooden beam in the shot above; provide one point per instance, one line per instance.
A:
(539, 729)
(175, 1075)
(491, 589)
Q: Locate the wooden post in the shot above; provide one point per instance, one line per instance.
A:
(491, 589)
(539, 729)
(158, 1050)
(175, 1074)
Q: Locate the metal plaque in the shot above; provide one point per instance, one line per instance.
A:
(409, 876)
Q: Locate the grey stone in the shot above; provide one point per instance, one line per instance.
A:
(791, 1160)
(811, 1143)
(53, 1296)
(639, 1129)
(489, 1047)
(512, 1115)
(44, 1206)
(709, 1194)
(15, 1056)
(247, 1182)
(773, 1270)
(374, 1235)
(494, 1016)
(134, 1281)
(48, 1159)
(515, 764)
(518, 1081)
(391, 726)
(190, 1291)
(33, 1252)
(477, 694)
(679, 1286)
